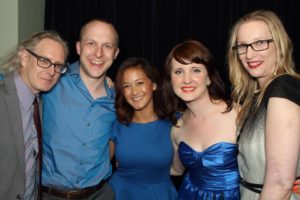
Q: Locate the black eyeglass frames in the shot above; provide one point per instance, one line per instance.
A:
(258, 45)
(46, 63)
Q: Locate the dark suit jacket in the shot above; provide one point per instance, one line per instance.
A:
(12, 167)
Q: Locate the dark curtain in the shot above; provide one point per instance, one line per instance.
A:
(150, 28)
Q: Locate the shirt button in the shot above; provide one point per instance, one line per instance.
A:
(88, 124)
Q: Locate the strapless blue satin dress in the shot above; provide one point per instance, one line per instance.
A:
(212, 174)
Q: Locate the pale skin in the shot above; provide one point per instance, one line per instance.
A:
(35, 77)
(197, 127)
(177, 169)
(97, 50)
(282, 130)
(282, 120)
(259, 64)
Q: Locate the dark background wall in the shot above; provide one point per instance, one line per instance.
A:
(150, 28)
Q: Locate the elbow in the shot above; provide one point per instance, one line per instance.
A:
(279, 187)
(283, 183)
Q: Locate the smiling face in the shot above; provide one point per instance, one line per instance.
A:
(259, 64)
(37, 78)
(138, 89)
(97, 49)
(189, 81)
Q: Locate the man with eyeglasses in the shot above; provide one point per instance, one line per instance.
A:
(78, 115)
(34, 66)
(46, 63)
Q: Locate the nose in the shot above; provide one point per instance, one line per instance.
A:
(99, 52)
(134, 90)
(187, 78)
(250, 52)
(51, 70)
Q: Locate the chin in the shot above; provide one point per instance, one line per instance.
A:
(187, 97)
(255, 75)
(138, 108)
(45, 88)
(96, 74)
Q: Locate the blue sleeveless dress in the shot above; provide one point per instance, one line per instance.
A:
(212, 174)
(144, 152)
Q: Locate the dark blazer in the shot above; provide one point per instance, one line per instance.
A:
(12, 167)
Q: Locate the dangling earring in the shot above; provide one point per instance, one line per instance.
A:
(275, 72)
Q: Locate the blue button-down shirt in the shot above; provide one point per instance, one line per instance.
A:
(76, 131)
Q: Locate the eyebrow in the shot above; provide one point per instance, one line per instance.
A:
(255, 39)
(56, 63)
(139, 79)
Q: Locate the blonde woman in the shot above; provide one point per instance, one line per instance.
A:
(267, 88)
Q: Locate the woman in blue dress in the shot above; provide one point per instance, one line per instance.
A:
(205, 137)
(141, 136)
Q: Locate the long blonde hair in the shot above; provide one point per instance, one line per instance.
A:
(245, 87)
(11, 63)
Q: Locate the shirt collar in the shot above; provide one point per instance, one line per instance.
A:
(74, 70)
(110, 91)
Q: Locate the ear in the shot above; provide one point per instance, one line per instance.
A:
(78, 47)
(24, 56)
(154, 86)
(116, 53)
(208, 81)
